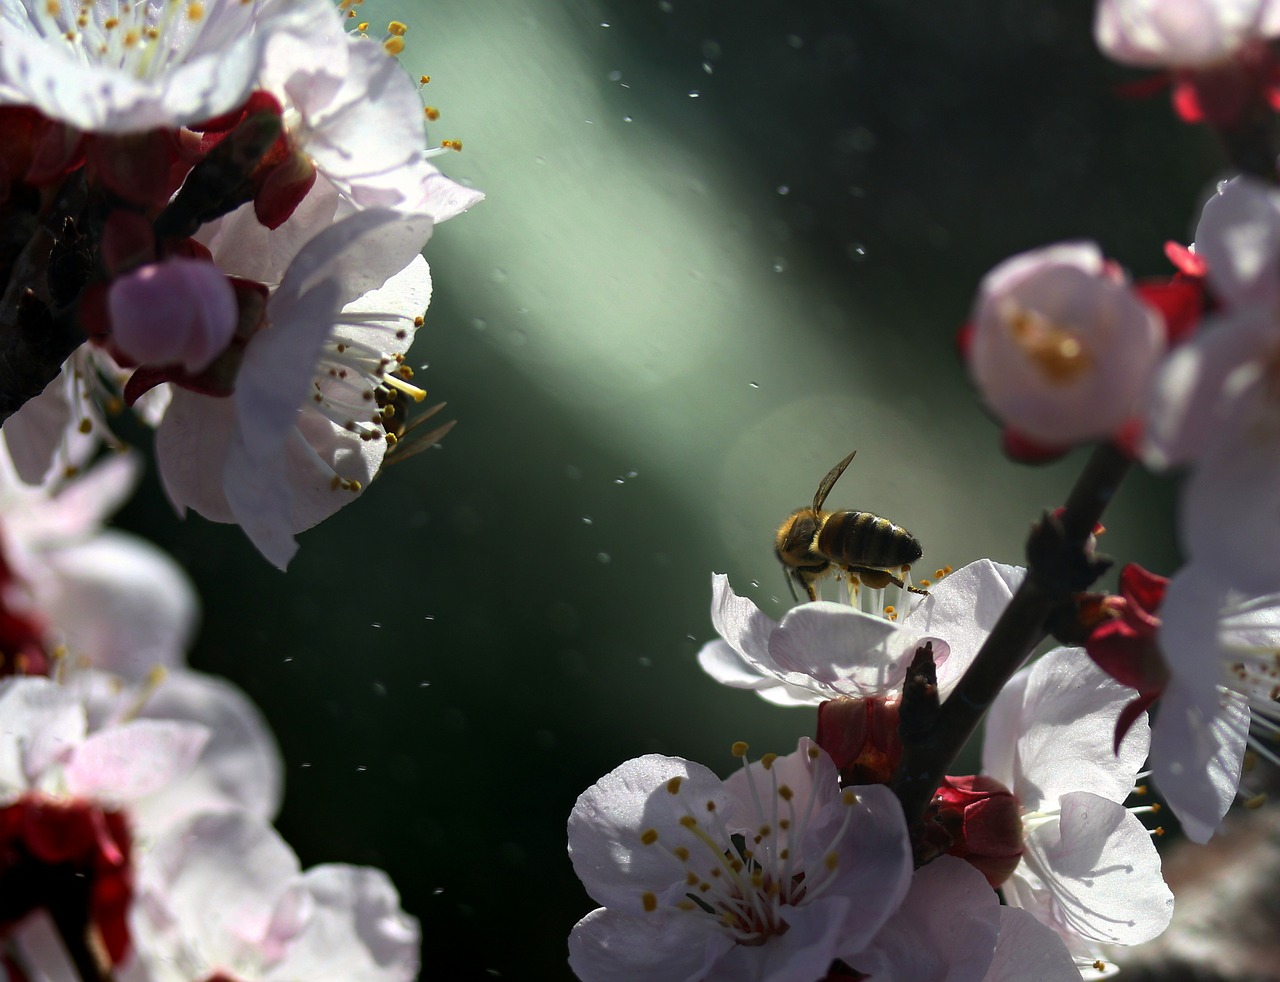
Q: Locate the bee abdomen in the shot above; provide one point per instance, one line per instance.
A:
(859, 538)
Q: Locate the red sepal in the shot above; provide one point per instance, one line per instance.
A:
(1179, 301)
(1025, 450)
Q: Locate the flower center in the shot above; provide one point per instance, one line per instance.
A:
(361, 375)
(1055, 350)
(748, 885)
(144, 40)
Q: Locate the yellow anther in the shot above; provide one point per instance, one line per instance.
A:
(195, 10)
(691, 879)
(767, 761)
(419, 321)
(53, 8)
(397, 28)
(86, 425)
(785, 793)
(681, 853)
(362, 26)
(711, 805)
(814, 753)
(831, 860)
(674, 785)
(431, 112)
(848, 797)
(1257, 801)
(393, 45)
(739, 748)
(111, 23)
(649, 901)
(649, 836)
(688, 822)
(132, 37)
(424, 79)
(451, 144)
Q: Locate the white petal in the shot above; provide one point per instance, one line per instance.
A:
(1196, 757)
(240, 766)
(743, 626)
(613, 946)
(609, 818)
(134, 759)
(1069, 712)
(120, 602)
(1103, 872)
(1230, 505)
(351, 927)
(945, 930)
(961, 609)
(211, 884)
(844, 650)
(1029, 952)
(40, 724)
(1239, 237)
(191, 451)
(874, 863)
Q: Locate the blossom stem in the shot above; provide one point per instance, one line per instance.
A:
(73, 928)
(1060, 563)
(38, 330)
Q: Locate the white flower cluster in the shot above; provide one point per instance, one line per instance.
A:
(149, 785)
(251, 184)
(220, 207)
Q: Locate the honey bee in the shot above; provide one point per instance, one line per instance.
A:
(862, 545)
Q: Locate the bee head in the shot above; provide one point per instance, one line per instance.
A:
(794, 541)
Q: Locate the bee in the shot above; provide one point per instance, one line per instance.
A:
(862, 545)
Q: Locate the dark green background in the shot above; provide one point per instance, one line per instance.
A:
(654, 352)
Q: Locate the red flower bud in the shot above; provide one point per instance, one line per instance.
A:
(979, 820)
(861, 735)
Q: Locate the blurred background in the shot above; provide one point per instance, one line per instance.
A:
(724, 244)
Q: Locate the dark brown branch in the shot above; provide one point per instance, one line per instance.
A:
(1060, 564)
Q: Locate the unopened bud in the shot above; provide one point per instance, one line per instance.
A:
(861, 736)
(979, 820)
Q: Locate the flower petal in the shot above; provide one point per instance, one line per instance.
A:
(647, 794)
(1103, 871)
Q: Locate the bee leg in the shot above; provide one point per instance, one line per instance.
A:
(809, 585)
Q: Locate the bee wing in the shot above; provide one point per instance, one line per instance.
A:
(414, 441)
(829, 482)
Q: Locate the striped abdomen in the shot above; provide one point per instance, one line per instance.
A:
(859, 538)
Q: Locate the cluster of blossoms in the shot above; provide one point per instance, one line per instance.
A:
(133, 789)
(213, 213)
(859, 856)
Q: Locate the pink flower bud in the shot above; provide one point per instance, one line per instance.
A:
(180, 311)
(982, 820)
(1062, 347)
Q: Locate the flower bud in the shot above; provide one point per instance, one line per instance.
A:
(979, 820)
(180, 311)
(861, 736)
